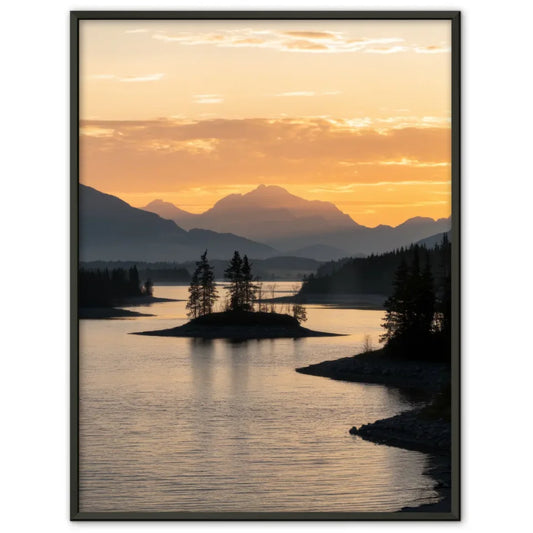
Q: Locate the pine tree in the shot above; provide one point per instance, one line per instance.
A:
(443, 302)
(425, 301)
(410, 311)
(234, 275)
(249, 288)
(396, 306)
(148, 287)
(193, 303)
(208, 290)
(299, 312)
(134, 282)
(202, 289)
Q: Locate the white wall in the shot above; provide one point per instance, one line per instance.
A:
(497, 191)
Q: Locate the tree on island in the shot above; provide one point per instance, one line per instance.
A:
(202, 289)
(148, 288)
(299, 312)
(241, 289)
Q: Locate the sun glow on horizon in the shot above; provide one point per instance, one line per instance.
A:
(356, 113)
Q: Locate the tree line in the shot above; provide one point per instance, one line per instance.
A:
(104, 288)
(370, 275)
(243, 292)
(418, 312)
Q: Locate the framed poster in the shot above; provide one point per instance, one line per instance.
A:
(265, 265)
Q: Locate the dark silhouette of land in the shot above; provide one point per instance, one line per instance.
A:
(373, 274)
(245, 315)
(240, 325)
(102, 292)
(284, 268)
(416, 356)
(111, 230)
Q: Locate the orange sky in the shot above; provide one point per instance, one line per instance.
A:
(354, 112)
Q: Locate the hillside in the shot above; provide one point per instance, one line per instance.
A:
(299, 227)
(110, 229)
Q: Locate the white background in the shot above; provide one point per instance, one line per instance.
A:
(497, 295)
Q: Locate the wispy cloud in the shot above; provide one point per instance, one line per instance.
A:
(138, 30)
(272, 141)
(298, 93)
(385, 50)
(405, 162)
(308, 93)
(208, 98)
(148, 77)
(313, 34)
(351, 187)
(432, 49)
(128, 79)
(297, 41)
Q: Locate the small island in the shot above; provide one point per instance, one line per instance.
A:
(244, 315)
(241, 325)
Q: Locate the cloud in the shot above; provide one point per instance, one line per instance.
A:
(148, 77)
(128, 79)
(414, 163)
(298, 93)
(432, 49)
(313, 34)
(138, 30)
(297, 41)
(351, 187)
(208, 98)
(385, 50)
(308, 93)
(214, 151)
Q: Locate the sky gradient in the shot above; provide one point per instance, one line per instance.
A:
(353, 112)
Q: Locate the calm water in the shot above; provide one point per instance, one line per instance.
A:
(175, 424)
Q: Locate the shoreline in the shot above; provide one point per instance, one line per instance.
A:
(237, 333)
(117, 310)
(240, 325)
(341, 301)
(410, 430)
(376, 367)
(103, 313)
(136, 301)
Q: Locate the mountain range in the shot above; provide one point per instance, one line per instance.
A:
(299, 227)
(112, 230)
(266, 222)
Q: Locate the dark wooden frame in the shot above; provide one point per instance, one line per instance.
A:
(75, 18)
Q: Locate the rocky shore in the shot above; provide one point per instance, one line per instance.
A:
(410, 430)
(376, 367)
(425, 429)
(415, 430)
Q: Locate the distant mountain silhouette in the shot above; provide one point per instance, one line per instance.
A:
(170, 211)
(111, 229)
(433, 240)
(272, 215)
(264, 213)
(320, 252)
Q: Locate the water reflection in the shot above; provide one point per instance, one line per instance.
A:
(203, 425)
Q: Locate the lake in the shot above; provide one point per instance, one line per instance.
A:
(178, 424)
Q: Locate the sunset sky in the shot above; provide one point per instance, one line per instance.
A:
(353, 112)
